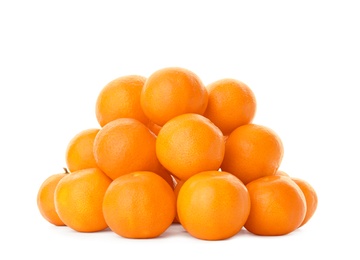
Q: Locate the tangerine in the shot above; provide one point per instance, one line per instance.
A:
(170, 92)
(139, 205)
(120, 98)
(252, 151)
(213, 205)
(45, 198)
(123, 146)
(310, 198)
(278, 206)
(78, 199)
(231, 104)
(188, 144)
(79, 152)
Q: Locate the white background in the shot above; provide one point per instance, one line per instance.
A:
(301, 59)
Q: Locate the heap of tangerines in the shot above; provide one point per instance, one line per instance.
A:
(170, 150)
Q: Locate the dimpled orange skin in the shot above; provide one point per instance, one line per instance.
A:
(79, 152)
(310, 197)
(278, 206)
(188, 144)
(120, 98)
(139, 205)
(78, 199)
(213, 205)
(231, 104)
(252, 151)
(45, 199)
(170, 92)
(123, 146)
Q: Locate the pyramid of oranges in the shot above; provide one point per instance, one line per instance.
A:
(169, 150)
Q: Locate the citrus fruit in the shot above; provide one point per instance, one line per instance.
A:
(120, 98)
(310, 198)
(213, 205)
(278, 206)
(79, 152)
(252, 151)
(170, 92)
(231, 104)
(78, 199)
(123, 146)
(188, 144)
(177, 188)
(139, 205)
(45, 199)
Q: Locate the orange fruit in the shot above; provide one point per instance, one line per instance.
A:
(177, 188)
(78, 199)
(139, 205)
(252, 151)
(188, 144)
(278, 206)
(120, 98)
(310, 198)
(170, 92)
(213, 205)
(123, 146)
(231, 104)
(309, 193)
(79, 152)
(45, 199)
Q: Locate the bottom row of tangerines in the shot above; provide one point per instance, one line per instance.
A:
(210, 205)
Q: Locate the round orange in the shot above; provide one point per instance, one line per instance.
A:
(231, 104)
(170, 92)
(123, 146)
(78, 199)
(139, 205)
(188, 144)
(177, 188)
(45, 199)
(278, 206)
(213, 205)
(252, 151)
(79, 152)
(310, 197)
(120, 98)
